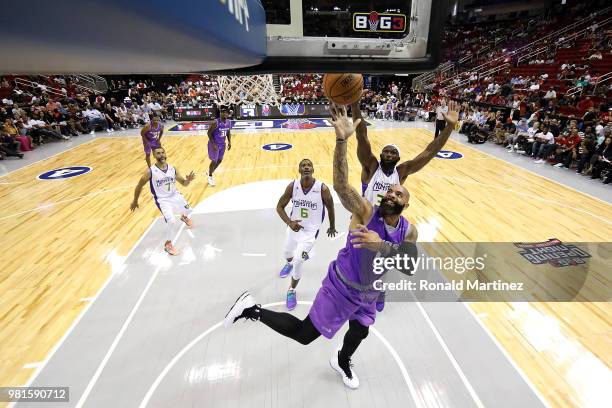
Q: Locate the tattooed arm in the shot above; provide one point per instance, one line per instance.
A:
(349, 197)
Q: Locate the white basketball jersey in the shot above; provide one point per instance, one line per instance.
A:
(308, 206)
(379, 185)
(163, 183)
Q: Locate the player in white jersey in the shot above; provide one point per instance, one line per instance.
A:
(309, 199)
(162, 179)
(377, 177)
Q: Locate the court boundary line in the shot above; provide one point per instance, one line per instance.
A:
(145, 401)
(449, 355)
(76, 321)
(53, 155)
(520, 167)
(501, 348)
(94, 379)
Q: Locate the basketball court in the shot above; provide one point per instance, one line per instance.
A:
(91, 301)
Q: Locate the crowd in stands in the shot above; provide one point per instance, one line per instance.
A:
(552, 104)
(34, 116)
(302, 88)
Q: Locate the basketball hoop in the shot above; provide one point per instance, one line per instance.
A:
(373, 21)
(247, 88)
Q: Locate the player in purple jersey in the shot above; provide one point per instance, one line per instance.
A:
(151, 137)
(375, 174)
(218, 131)
(347, 292)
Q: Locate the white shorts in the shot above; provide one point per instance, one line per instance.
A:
(172, 206)
(299, 243)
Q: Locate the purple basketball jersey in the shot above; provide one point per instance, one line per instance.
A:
(220, 132)
(356, 264)
(152, 135)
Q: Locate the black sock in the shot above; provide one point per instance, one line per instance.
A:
(252, 313)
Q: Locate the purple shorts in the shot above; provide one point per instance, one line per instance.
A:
(216, 155)
(148, 146)
(336, 303)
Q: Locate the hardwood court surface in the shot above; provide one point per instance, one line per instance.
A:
(62, 239)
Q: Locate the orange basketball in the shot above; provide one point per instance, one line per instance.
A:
(343, 89)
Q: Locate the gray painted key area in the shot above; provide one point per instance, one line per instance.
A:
(249, 365)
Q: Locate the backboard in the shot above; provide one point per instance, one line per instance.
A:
(385, 36)
(221, 36)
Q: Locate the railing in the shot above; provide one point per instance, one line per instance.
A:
(19, 82)
(565, 40)
(575, 90)
(418, 83)
(485, 74)
(518, 52)
(93, 83)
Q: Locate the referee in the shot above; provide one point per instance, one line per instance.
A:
(440, 122)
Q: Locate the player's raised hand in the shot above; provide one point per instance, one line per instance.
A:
(134, 205)
(331, 232)
(452, 115)
(341, 123)
(295, 225)
(190, 177)
(364, 238)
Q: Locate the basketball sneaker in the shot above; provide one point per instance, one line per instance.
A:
(286, 270)
(291, 299)
(169, 248)
(187, 221)
(211, 181)
(345, 369)
(244, 301)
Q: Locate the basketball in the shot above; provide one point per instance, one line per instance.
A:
(343, 89)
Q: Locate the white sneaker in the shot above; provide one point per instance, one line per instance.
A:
(539, 161)
(92, 132)
(244, 301)
(108, 130)
(352, 382)
(211, 181)
(559, 165)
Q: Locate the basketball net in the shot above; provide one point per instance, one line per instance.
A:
(373, 21)
(247, 89)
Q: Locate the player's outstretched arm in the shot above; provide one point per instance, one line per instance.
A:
(185, 180)
(349, 197)
(328, 201)
(364, 149)
(412, 166)
(146, 176)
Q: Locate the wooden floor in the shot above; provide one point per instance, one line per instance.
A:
(61, 239)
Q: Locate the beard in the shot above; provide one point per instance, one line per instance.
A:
(388, 164)
(388, 208)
